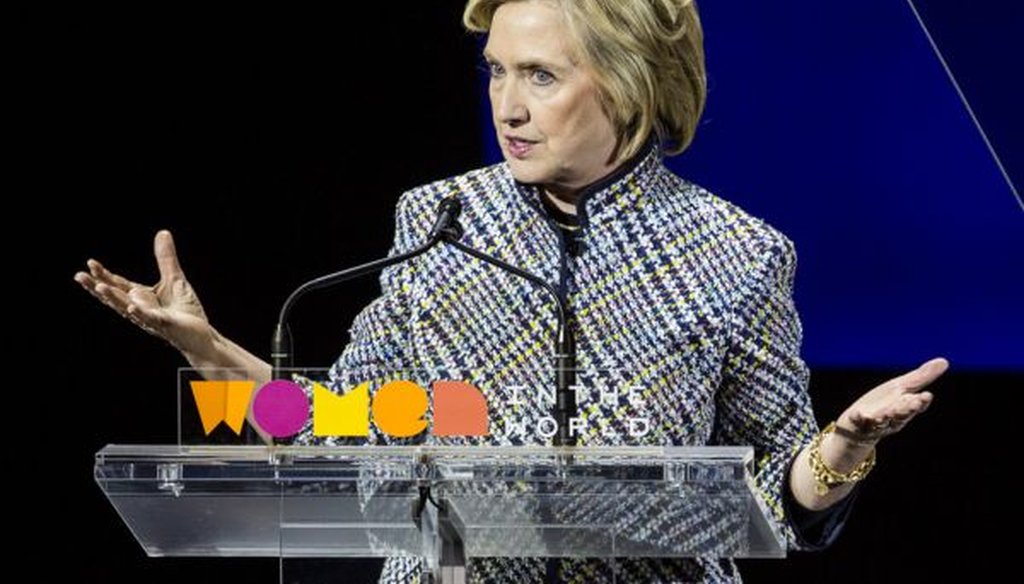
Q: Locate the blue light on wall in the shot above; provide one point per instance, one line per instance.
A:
(837, 124)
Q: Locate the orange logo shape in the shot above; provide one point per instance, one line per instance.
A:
(399, 407)
(222, 401)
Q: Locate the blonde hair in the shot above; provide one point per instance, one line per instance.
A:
(648, 60)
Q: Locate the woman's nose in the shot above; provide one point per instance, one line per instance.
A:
(511, 108)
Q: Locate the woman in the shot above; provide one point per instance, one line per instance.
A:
(670, 287)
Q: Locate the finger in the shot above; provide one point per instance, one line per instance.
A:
(148, 318)
(89, 283)
(925, 374)
(919, 378)
(85, 280)
(143, 297)
(907, 405)
(928, 397)
(865, 428)
(102, 274)
(127, 305)
(897, 415)
(918, 401)
(912, 406)
(113, 297)
(167, 257)
(91, 286)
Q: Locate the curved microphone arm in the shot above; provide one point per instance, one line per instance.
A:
(565, 355)
(281, 345)
(446, 228)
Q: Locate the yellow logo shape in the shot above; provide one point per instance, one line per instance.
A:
(341, 415)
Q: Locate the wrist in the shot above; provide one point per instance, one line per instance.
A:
(843, 454)
(222, 355)
(208, 353)
(835, 461)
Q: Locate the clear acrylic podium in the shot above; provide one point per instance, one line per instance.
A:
(445, 504)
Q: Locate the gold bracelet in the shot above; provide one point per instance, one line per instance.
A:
(824, 477)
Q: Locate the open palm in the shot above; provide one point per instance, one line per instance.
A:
(170, 309)
(889, 407)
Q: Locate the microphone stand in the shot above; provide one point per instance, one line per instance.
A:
(565, 355)
(281, 346)
(446, 229)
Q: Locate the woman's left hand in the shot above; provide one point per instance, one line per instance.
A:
(888, 408)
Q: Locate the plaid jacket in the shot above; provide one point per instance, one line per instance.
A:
(670, 288)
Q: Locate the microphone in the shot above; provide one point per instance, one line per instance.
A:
(446, 226)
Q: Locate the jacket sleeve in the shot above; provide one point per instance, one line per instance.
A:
(763, 399)
(378, 348)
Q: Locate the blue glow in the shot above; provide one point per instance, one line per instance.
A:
(836, 123)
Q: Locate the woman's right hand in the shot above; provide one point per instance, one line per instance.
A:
(170, 309)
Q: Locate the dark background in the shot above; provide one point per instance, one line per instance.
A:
(275, 147)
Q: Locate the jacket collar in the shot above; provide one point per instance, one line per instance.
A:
(620, 190)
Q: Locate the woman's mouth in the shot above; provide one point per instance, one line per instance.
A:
(518, 147)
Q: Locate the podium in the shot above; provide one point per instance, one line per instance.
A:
(444, 504)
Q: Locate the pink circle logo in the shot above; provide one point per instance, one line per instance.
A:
(281, 408)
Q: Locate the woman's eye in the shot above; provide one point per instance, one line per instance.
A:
(495, 70)
(542, 77)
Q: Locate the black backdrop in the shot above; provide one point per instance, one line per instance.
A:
(275, 147)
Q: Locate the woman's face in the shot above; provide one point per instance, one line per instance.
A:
(550, 124)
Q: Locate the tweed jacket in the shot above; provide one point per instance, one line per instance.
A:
(669, 287)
